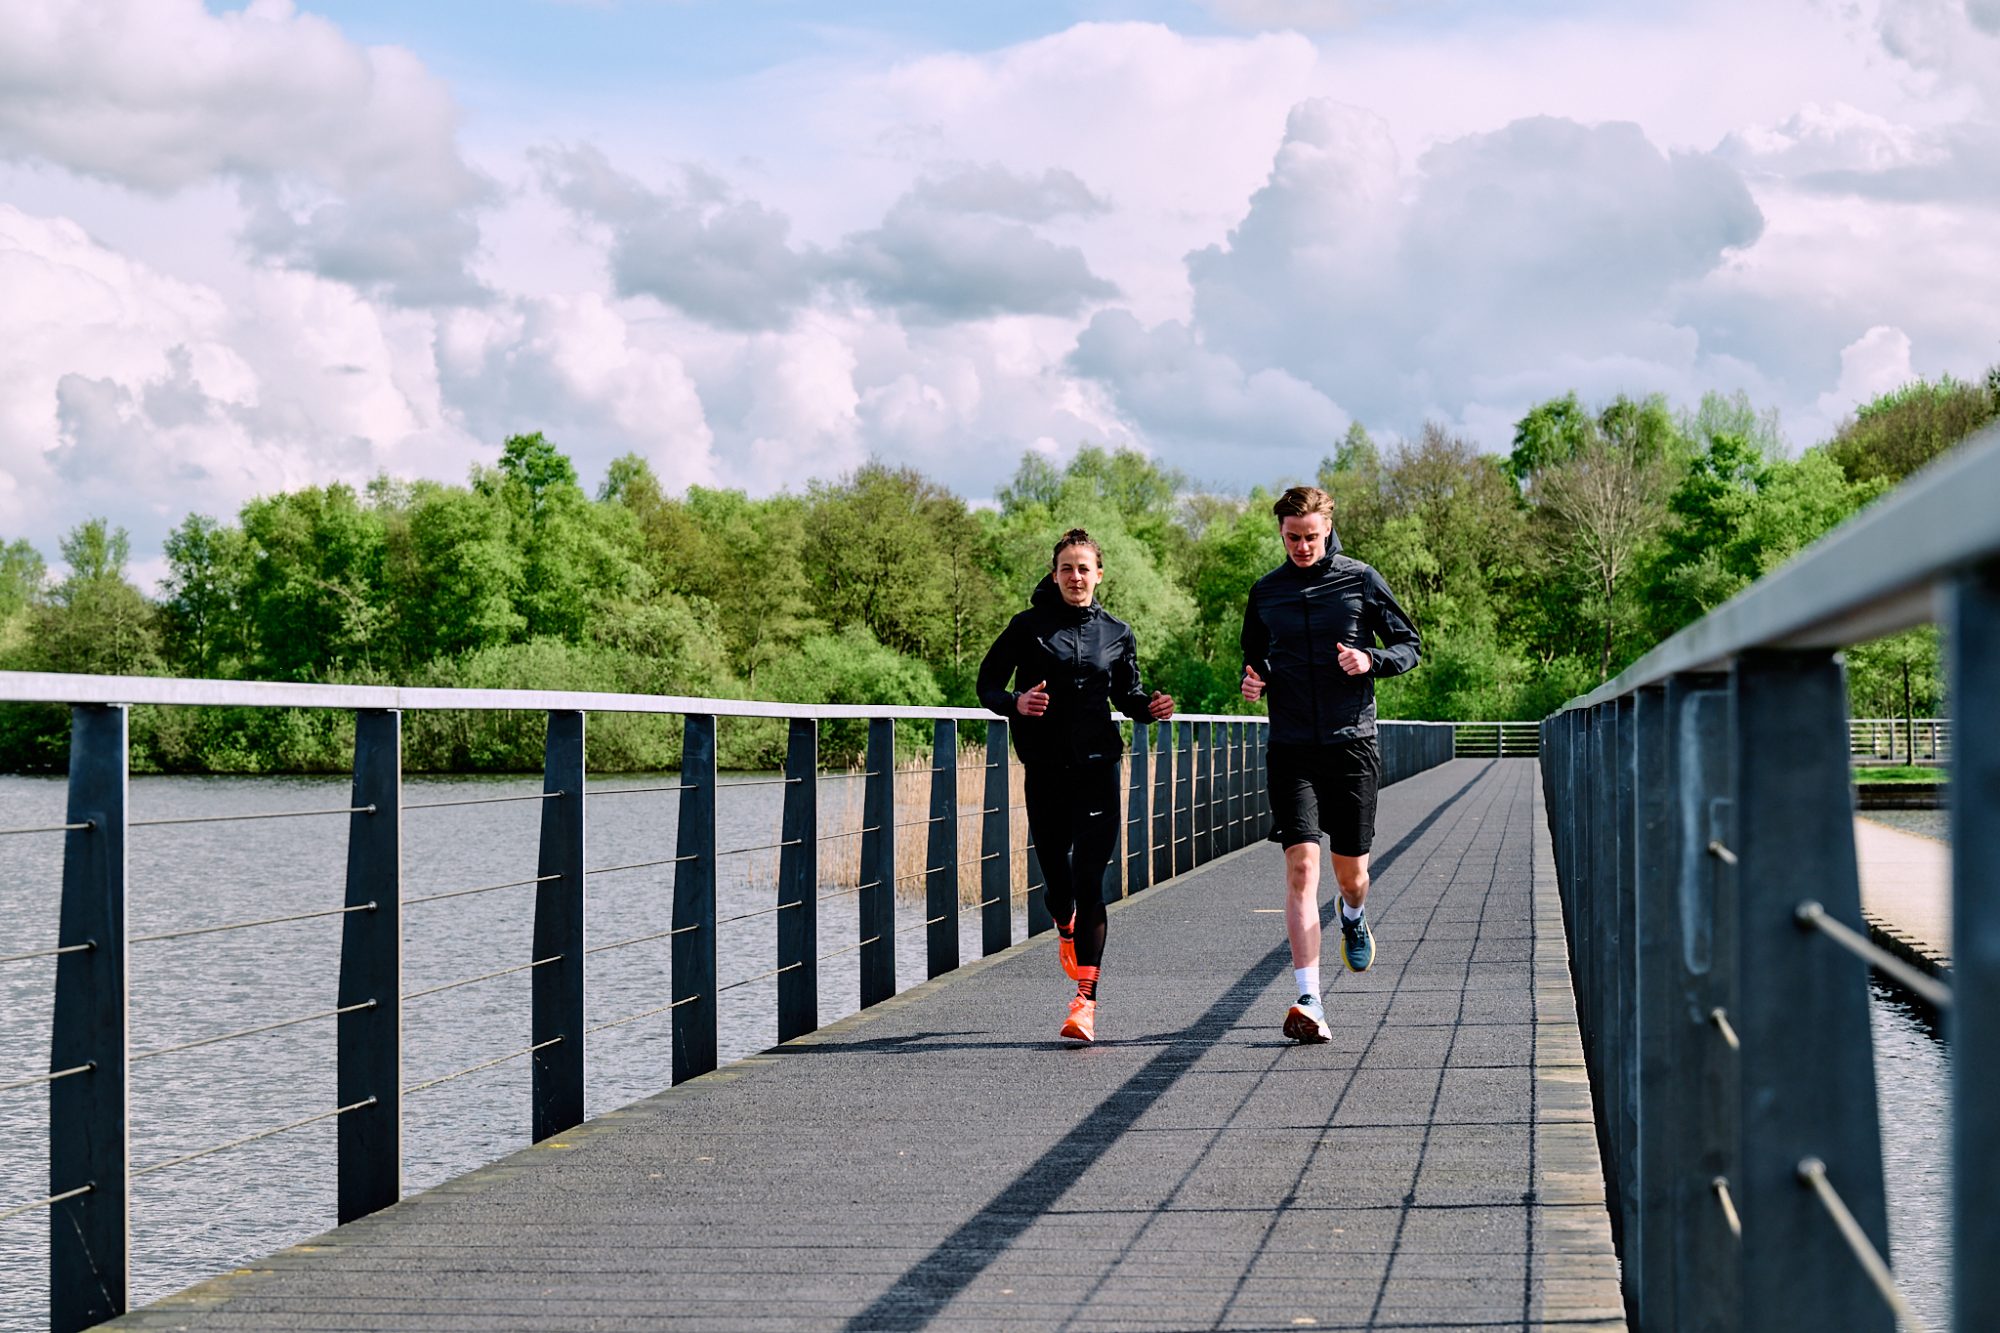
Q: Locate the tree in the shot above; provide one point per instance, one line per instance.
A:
(313, 592)
(1598, 489)
(574, 554)
(202, 617)
(21, 575)
(1904, 429)
(94, 620)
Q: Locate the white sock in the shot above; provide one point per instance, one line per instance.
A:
(1349, 913)
(1308, 979)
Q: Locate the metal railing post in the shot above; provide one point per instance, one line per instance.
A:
(996, 848)
(1113, 886)
(557, 988)
(1696, 1104)
(1972, 633)
(1235, 809)
(1621, 977)
(1184, 799)
(90, 1234)
(798, 884)
(693, 977)
(368, 1042)
(1163, 802)
(1138, 843)
(1808, 1087)
(1204, 781)
(941, 854)
(1039, 920)
(1263, 778)
(876, 925)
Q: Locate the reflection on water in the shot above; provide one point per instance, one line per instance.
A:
(1913, 1087)
(193, 1220)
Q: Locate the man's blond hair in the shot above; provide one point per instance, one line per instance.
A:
(1300, 501)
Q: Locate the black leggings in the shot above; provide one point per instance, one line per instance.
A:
(1073, 813)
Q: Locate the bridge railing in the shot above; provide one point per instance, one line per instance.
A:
(1193, 791)
(1496, 740)
(1701, 815)
(1922, 740)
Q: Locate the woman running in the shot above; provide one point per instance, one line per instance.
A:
(1080, 659)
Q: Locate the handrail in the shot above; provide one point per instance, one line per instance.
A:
(1872, 575)
(57, 687)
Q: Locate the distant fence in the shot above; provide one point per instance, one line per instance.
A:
(1701, 812)
(1496, 740)
(1923, 740)
(1194, 791)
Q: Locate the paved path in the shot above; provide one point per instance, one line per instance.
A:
(941, 1161)
(1906, 891)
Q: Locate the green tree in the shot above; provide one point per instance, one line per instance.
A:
(1904, 429)
(313, 590)
(574, 554)
(454, 572)
(94, 620)
(202, 620)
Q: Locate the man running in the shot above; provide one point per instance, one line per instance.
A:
(1311, 631)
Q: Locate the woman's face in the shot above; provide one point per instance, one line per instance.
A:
(1077, 574)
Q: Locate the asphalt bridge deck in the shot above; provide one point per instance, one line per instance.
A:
(942, 1160)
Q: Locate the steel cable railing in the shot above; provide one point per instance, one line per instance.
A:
(251, 1031)
(428, 1084)
(273, 1132)
(370, 1029)
(247, 925)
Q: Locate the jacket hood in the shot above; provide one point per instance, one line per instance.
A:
(1332, 550)
(1048, 597)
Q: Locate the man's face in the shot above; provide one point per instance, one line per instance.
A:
(1305, 537)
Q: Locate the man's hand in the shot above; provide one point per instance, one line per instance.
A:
(1355, 661)
(1253, 684)
(1034, 702)
(1161, 706)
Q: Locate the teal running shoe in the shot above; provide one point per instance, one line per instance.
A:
(1357, 944)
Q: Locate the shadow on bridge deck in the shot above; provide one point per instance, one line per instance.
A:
(942, 1160)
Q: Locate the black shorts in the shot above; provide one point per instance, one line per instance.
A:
(1325, 790)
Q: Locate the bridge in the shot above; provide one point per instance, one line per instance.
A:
(1611, 1069)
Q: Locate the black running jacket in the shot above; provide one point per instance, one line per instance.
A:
(1091, 663)
(1293, 624)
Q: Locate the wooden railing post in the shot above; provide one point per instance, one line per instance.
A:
(996, 848)
(941, 856)
(1138, 846)
(368, 1042)
(1184, 799)
(693, 977)
(557, 988)
(90, 1233)
(1808, 1057)
(798, 885)
(876, 920)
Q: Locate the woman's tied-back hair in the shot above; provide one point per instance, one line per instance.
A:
(1076, 537)
(1300, 501)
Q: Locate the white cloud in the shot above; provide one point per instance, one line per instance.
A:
(695, 246)
(346, 155)
(1873, 364)
(939, 265)
(1195, 403)
(992, 188)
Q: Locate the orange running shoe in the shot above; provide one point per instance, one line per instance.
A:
(1081, 1025)
(1066, 951)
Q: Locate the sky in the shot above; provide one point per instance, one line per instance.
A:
(251, 247)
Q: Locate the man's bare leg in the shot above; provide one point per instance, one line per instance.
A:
(1352, 873)
(1306, 1020)
(1302, 902)
(1357, 942)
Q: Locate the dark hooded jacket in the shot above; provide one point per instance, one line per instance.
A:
(1091, 663)
(1293, 625)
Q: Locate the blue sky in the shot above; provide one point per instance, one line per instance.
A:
(260, 246)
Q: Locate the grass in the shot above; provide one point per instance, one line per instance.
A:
(1899, 773)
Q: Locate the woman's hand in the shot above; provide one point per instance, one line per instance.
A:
(1161, 706)
(1035, 702)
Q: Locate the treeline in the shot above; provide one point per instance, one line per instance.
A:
(1533, 576)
